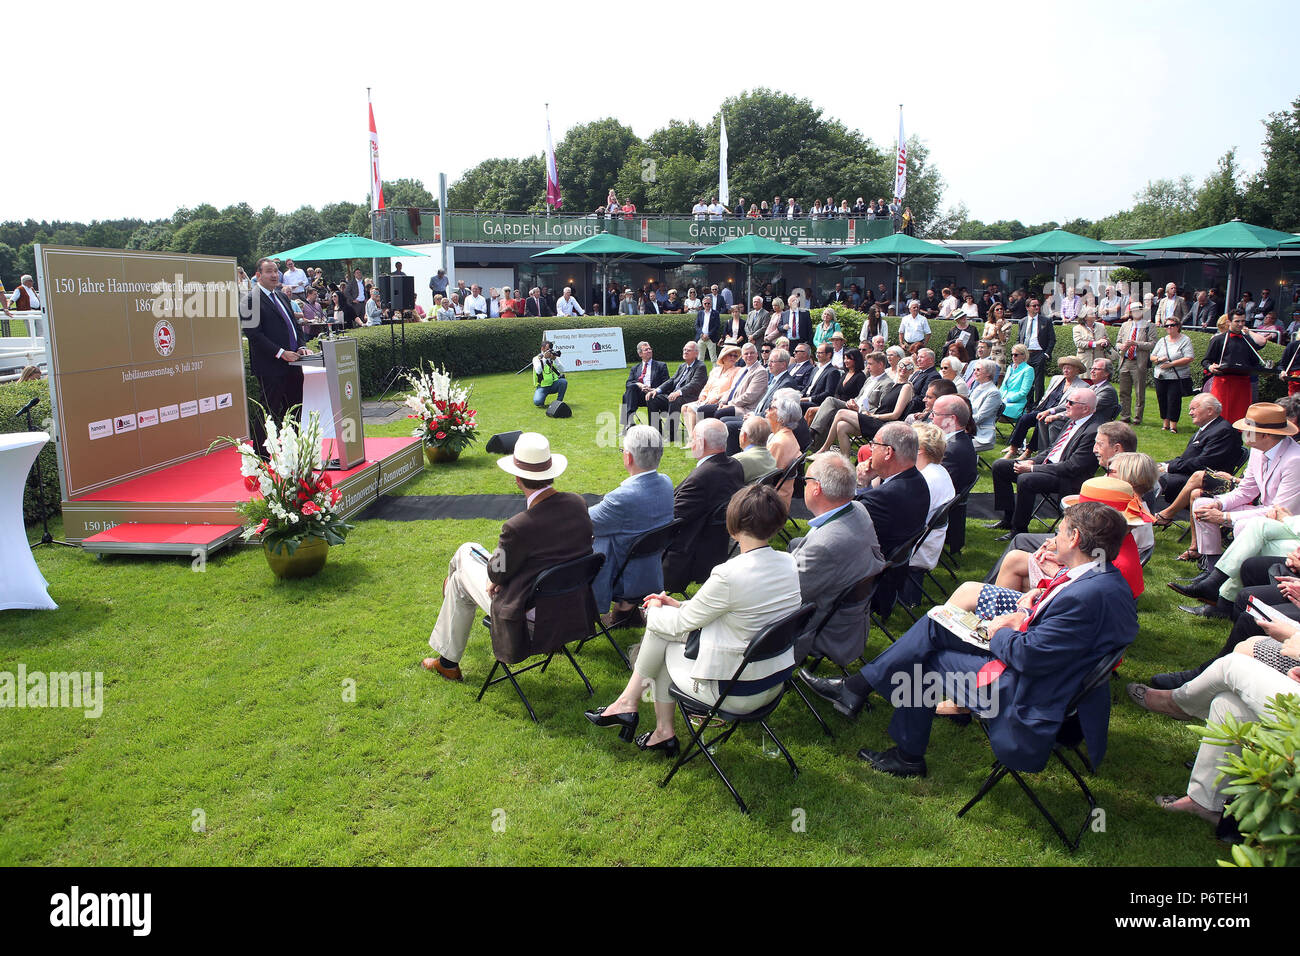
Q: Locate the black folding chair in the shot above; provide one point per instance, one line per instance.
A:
(958, 513)
(571, 580)
(773, 641)
(653, 542)
(901, 557)
(1053, 501)
(938, 520)
(792, 473)
(1070, 736)
(859, 592)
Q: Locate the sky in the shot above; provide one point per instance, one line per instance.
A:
(1031, 111)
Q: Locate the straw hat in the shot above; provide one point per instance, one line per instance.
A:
(728, 350)
(1118, 494)
(1071, 360)
(1267, 418)
(533, 459)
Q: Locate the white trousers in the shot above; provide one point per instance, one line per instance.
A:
(662, 659)
(463, 594)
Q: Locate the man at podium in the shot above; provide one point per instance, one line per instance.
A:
(273, 346)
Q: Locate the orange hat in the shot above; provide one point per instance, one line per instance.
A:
(1118, 494)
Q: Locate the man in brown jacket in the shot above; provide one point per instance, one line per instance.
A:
(554, 527)
(1132, 357)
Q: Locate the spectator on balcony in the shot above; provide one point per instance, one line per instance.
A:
(793, 210)
(844, 212)
(717, 210)
(738, 211)
(567, 305)
(778, 208)
(816, 212)
(753, 211)
(700, 210)
(764, 210)
(860, 209)
(629, 209)
(871, 212)
(909, 221)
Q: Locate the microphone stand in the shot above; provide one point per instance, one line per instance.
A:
(46, 537)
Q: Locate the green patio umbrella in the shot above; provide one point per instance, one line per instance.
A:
(602, 249)
(751, 249)
(346, 245)
(1054, 246)
(1229, 241)
(899, 248)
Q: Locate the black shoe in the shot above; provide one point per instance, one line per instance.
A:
(1000, 525)
(1204, 587)
(1173, 679)
(1008, 536)
(626, 722)
(891, 762)
(832, 689)
(1205, 610)
(670, 747)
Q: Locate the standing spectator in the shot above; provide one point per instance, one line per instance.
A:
(717, 210)
(756, 321)
(1091, 339)
(913, 330)
(1039, 336)
(909, 222)
(738, 211)
(700, 211)
(1172, 357)
(708, 328)
(567, 306)
(1201, 314)
(896, 213)
(438, 284)
(1132, 353)
(476, 306)
(996, 332)
(860, 209)
(295, 280)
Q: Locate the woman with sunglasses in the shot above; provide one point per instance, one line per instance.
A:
(1171, 360)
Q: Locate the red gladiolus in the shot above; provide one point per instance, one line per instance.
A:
(324, 481)
(309, 508)
(335, 495)
(250, 482)
(441, 435)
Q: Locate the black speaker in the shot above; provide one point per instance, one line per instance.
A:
(385, 286)
(403, 289)
(557, 409)
(504, 443)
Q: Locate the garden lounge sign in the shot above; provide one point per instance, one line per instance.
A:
(498, 227)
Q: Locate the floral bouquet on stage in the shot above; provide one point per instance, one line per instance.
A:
(447, 423)
(296, 499)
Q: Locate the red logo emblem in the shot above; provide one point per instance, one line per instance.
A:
(164, 338)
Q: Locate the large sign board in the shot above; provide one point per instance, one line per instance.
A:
(146, 363)
(588, 350)
(344, 370)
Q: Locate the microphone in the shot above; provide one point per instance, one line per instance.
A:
(27, 408)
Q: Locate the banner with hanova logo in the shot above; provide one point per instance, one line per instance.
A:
(589, 350)
(146, 360)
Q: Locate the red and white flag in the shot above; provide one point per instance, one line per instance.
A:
(376, 185)
(552, 177)
(900, 168)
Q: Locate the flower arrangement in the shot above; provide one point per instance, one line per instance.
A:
(295, 498)
(442, 407)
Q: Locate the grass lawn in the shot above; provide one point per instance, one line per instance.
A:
(226, 737)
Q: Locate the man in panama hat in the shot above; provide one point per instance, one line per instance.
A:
(553, 528)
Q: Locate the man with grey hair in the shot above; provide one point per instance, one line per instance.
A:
(642, 378)
(643, 502)
(753, 455)
(1215, 445)
(756, 321)
(778, 371)
(839, 550)
(985, 402)
(1060, 470)
(700, 545)
(898, 500)
(925, 374)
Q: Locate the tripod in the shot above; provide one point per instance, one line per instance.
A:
(398, 370)
(46, 538)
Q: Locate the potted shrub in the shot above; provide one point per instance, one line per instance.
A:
(447, 424)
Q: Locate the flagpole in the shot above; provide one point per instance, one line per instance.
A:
(898, 148)
(374, 263)
(546, 160)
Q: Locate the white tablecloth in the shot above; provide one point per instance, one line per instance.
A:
(316, 398)
(21, 583)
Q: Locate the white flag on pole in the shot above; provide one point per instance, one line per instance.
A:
(724, 189)
(552, 174)
(376, 184)
(900, 168)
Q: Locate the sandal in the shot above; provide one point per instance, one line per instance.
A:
(1161, 520)
(1191, 554)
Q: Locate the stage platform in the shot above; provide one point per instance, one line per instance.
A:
(205, 491)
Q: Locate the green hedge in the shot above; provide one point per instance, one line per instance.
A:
(13, 396)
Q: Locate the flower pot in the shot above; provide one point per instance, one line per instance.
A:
(307, 559)
(437, 453)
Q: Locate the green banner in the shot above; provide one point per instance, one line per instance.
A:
(554, 230)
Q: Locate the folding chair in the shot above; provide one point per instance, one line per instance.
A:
(859, 592)
(716, 525)
(1053, 501)
(958, 514)
(773, 641)
(792, 473)
(572, 579)
(937, 521)
(1070, 736)
(653, 542)
(899, 558)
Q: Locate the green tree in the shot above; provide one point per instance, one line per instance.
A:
(1220, 198)
(588, 161)
(152, 237)
(1273, 195)
(501, 184)
(290, 231)
(1163, 208)
(337, 216)
(8, 265)
(404, 192)
(225, 236)
(101, 235)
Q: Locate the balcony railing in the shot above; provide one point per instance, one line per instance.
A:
(403, 225)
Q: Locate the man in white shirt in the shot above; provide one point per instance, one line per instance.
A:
(295, 280)
(567, 305)
(700, 211)
(475, 305)
(949, 304)
(913, 330)
(716, 210)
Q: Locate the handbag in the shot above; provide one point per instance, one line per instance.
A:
(692, 651)
(1186, 385)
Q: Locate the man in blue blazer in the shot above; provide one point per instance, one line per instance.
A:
(643, 502)
(708, 329)
(273, 347)
(1036, 660)
(898, 505)
(641, 378)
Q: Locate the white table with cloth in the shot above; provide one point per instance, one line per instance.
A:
(22, 586)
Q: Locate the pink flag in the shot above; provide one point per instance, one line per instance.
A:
(376, 186)
(552, 177)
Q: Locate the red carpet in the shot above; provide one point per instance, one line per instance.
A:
(215, 477)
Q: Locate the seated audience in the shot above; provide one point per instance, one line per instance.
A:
(643, 502)
(782, 416)
(1024, 437)
(1215, 445)
(896, 497)
(647, 374)
(1018, 383)
(892, 407)
(699, 547)
(753, 456)
(741, 596)
(719, 385)
(553, 528)
(931, 448)
(986, 403)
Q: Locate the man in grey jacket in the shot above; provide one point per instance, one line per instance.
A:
(839, 550)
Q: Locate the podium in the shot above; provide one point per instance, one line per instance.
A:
(332, 388)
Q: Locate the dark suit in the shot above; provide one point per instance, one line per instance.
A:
(920, 382)
(1216, 446)
(690, 381)
(821, 385)
(733, 422)
(557, 528)
(959, 459)
(633, 397)
(1015, 495)
(708, 323)
(536, 305)
(268, 332)
(802, 331)
(1029, 420)
(699, 548)
(1090, 619)
(898, 508)
(1038, 359)
(801, 376)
